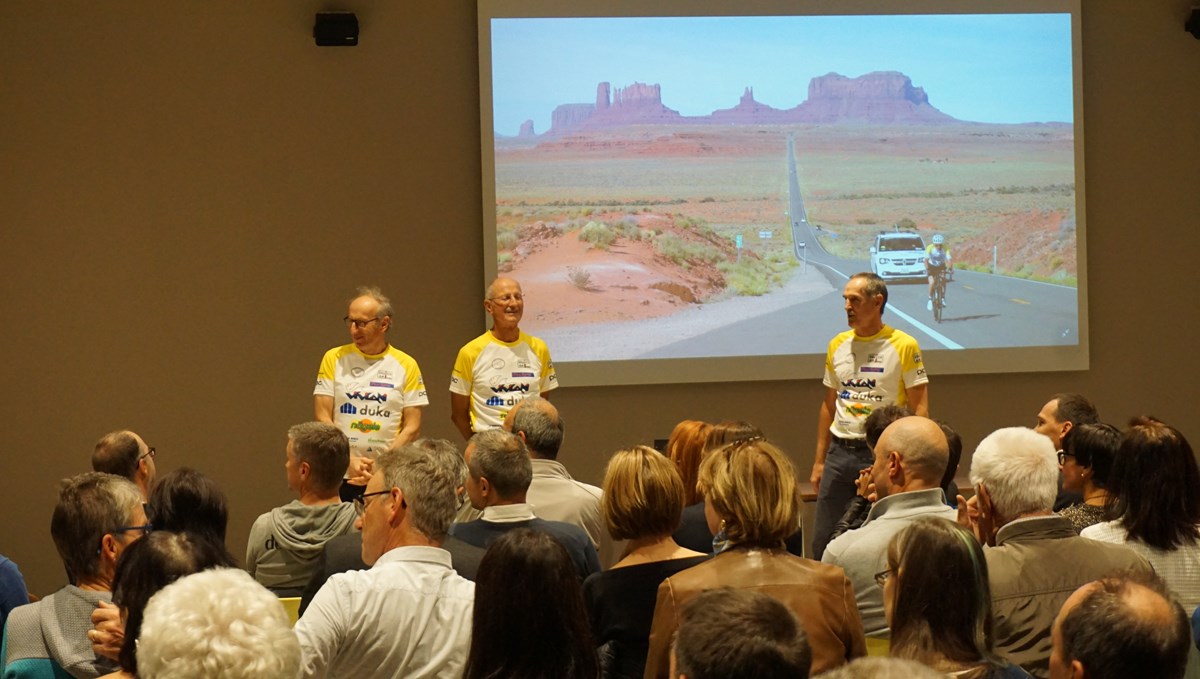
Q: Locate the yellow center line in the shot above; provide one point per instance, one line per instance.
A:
(1018, 301)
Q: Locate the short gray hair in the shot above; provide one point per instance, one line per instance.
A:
(1020, 470)
(326, 450)
(246, 633)
(428, 485)
(447, 454)
(502, 459)
(373, 291)
(542, 425)
(89, 507)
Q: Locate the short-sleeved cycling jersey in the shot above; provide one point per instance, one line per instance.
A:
(498, 375)
(369, 394)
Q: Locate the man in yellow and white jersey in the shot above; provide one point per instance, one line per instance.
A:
(369, 389)
(867, 367)
(501, 367)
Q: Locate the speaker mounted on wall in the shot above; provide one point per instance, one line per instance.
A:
(336, 29)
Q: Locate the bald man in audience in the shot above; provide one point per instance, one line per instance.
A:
(1121, 627)
(910, 459)
(124, 453)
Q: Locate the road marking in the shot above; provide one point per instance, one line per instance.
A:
(937, 336)
(1018, 301)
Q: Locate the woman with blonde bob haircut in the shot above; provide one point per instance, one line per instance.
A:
(751, 494)
(643, 498)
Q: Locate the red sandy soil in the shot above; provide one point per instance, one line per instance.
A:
(1036, 239)
(628, 281)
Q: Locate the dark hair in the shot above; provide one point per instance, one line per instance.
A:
(1114, 639)
(740, 633)
(930, 557)
(1154, 486)
(89, 507)
(879, 419)
(954, 445)
(730, 431)
(147, 566)
(185, 500)
(1076, 409)
(326, 450)
(1093, 446)
(527, 573)
(116, 453)
(542, 425)
(874, 286)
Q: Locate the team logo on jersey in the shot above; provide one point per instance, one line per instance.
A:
(497, 364)
(858, 410)
(869, 369)
(356, 371)
(859, 383)
(523, 364)
(510, 388)
(383, 374)
(494, 402)
(375, 412)
(846, 395)
(874, 358)
(523, 375)
(366, 396)
(385, 385)
(365, 425)
(348, 409)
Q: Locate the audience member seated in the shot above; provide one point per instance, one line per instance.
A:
(1038, 559)
(955, 445)
(187, 501)
(218, 624)
(553, 494)
(883, 668)
(97, 517)
(344, 552)
(752, 496)
(410, 614)
(529, 619)
(860, 505)
(643, 497)
(1085, 461)
(1121, 627)
(498, 480)
(147, 566)
(124, 453)
(910, 458)
(285, 542)
(1155, 505)
(739, 633)
(685, 448)
(1060, 414)
(951, 634)
(13, 592)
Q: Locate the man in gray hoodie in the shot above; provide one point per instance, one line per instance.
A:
(286, 541)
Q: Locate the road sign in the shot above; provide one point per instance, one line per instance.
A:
(765, 235)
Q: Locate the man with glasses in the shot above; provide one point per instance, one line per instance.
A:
(97, 516)
(410, 613)
(501, 367)
(124, 453)
(371, 390)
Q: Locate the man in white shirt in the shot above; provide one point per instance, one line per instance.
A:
(409, 615)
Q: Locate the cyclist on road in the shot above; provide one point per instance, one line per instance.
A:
(937, 261)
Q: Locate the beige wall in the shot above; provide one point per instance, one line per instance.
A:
(188, 195)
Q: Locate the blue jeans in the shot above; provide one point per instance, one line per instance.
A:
(842, 464)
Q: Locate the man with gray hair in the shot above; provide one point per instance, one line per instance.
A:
(124, 453)
(498, 483)
(410, 613)
(1035, 558)
(371, 390)
(910, 459)
(285, 542)
(97, 516)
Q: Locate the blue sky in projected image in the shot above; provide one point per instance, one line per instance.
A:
(997, 68)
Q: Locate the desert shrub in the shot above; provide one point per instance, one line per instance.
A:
(504, 261)
(598, 234)
(684, 252)
(579, 277)
(751, 277)
(507, 240)
(906, 223)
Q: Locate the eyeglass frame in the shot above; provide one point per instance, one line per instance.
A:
(360, 501)
(362, 325)
(1063, 455)
(883, 576)
(510, 297)
(151, 453)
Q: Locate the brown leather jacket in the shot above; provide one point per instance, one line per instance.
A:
(819, 594)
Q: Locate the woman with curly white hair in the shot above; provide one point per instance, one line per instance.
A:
(218, 623)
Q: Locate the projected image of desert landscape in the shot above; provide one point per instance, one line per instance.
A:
(703, 187)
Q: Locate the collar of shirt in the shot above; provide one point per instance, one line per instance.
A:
(508, 513)
(905, 503)
(435, 555)
(550, 468)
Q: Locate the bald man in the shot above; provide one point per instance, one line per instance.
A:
(501, 367)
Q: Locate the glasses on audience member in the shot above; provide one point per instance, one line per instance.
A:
(1063, 455)
(360, 502)
(145, 529)
(511, 297)
(356, 323)
(882, 576)
(150, 453)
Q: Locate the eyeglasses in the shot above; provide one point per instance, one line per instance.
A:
(150, 453)
(882, 576)
(1063, 455)
(145, 529)
(511, 297)
(360, 502)
(355, 323)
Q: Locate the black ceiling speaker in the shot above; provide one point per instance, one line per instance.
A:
(336, 29)
(1193, 24)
